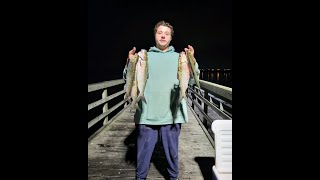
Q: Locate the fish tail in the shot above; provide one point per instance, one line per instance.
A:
(133, 103)
(137, 107)
(129, 98)
(180, 100)
(138, 98)
(131, 108)
(134, 106)
(180, 97)
(143, 99)
(198, 84)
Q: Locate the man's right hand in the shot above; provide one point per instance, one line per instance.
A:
(131, 53)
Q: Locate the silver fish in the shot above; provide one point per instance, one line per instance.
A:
(193, 69)
(141, 76)
(183, 76)
(131, 75)
(134, 91)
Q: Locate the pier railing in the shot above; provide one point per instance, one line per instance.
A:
(105, 98)
(211, 102)
(210, 99)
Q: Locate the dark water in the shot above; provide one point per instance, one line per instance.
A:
(218, 76)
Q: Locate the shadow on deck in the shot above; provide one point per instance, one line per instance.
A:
(112, 153)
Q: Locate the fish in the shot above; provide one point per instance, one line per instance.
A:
(130, 77)
(141, 76)
(134, 92)
(193, 69)
(183, 76)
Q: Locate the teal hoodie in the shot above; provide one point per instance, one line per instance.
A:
(162, 90)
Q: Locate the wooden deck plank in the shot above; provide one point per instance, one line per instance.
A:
(112, 153)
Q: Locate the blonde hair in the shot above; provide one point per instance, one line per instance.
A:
(163, 23)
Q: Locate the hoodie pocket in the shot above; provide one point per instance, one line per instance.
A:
(159, 106)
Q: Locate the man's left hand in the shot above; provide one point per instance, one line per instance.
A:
(190, 48)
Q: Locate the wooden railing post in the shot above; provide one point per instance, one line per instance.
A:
(221, 106)
(193, 97)
(205, 108)
(105, 106)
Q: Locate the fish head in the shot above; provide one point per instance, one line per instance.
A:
(142, 54)
(183, 57)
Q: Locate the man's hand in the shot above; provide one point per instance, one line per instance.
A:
(190, 48)
(131, 52)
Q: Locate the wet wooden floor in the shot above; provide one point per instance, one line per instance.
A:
(112, 153)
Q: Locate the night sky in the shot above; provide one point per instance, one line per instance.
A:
(115, 27)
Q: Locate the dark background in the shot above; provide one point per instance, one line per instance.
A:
(115, 27)
(50, 50)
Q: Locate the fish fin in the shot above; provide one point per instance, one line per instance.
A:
(143, 99)
(180, 98)
(137, 106)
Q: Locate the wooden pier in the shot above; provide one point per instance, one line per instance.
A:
(112, 152)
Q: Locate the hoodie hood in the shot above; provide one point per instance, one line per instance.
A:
(155, 49)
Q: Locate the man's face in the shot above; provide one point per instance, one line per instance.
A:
(163, 37)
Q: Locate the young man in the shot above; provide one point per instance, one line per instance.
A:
(160, 114)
